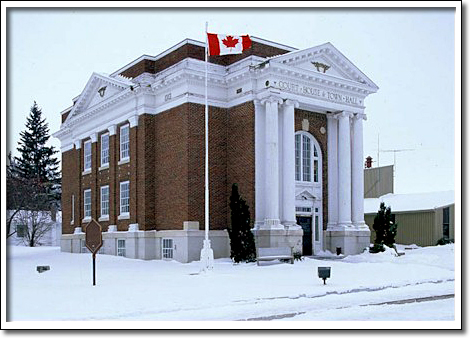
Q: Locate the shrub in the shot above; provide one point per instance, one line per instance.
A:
(385, 229)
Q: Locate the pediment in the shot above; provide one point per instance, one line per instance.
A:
(99, 88)
(325, 59)
(305, 195)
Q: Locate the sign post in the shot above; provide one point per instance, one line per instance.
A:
(93, 241)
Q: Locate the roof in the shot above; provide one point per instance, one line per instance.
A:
(410, 202)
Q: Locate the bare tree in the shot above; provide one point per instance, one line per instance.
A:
(33, 225)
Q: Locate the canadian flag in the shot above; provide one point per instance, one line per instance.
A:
(220, 44)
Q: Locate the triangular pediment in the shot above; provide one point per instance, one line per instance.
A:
(325, 59)
(305, 196)
(99, 88)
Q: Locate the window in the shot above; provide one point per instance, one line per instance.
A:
(105, 201)
(87, 203)
(83, 248)
(21, 230)
(87, 155)
(124, 198)
(105, 149)
(167, 248)
(297, 157)
(307, 159)
(445, 222)
(124, 139)
(317, 226)
(303, 209)
(121, 247)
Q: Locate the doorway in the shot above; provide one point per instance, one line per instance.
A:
(306, 224)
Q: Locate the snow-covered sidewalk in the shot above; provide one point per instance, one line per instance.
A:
(127, 289)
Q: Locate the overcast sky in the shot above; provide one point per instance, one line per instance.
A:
(409, 54)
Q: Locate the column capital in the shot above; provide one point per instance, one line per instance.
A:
(94, 137)
(272, 99)
(344, 114)
(289, 102)
(112, 130)
(133, 121)
(359, 116)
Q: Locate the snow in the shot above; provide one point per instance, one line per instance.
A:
(410, 202)
(156, 290)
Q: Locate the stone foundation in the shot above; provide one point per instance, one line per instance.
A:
(187, 243)
(351, 242)
(271, 238)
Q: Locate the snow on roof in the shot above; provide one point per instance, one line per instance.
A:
(410, 202)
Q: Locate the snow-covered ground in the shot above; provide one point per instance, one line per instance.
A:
(418, 286)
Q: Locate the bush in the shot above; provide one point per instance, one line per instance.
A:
(444, 241)
(385, 229)
(298, 256)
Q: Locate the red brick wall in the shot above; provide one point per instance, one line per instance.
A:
(241, 154)
(171, 168)
(316, 121)
(197, 52)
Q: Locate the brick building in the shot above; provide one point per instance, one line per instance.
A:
(284, 124)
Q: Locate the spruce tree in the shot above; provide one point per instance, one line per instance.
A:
(242, 241)
(36, 164)
(385, 229)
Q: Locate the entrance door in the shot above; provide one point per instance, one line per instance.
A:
(306, 224)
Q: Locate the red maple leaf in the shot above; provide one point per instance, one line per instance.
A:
(230, 42)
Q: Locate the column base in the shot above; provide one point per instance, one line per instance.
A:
(291, 225)
(351, 241)
(207, 256)
(272, 224)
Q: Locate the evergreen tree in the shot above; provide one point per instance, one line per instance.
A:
(36, 165)
(385, 229)
(242, 241)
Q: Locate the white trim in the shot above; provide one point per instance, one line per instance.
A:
(104, 167)
(124, 216)
(101, 203)
(86, 172)
(85, 217)
(125, 213)
(122, 159)
(85, 155)
(104, 218)
(104, 164)
(73, 209)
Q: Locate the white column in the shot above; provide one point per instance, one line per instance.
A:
(272, 164)
(288, 163)
(344, 170)
(332, 171)
(357, 173)
(260, 140)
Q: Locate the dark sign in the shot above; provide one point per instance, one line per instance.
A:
(93, 237)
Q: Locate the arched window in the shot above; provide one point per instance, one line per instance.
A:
(307, 158)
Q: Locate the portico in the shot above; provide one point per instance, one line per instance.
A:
(291, 180)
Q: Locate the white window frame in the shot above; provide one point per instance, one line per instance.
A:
(124, 209)
(168, 249)
(120, 250)
(104, 203)
(87, 160)
(124, 144)
(104, 153)
(83, 248)
(315, 155)
(85, 204)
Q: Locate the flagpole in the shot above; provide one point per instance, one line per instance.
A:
(207, 255)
